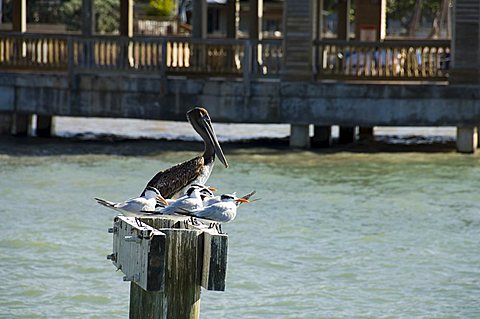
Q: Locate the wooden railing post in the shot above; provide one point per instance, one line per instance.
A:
(163, 68)
(247, 66)
(167, 265)
(388, 60)
(70, 63)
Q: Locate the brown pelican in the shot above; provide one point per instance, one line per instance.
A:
(175, 180)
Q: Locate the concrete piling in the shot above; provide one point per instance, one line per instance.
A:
(300, 135)
(467, 139)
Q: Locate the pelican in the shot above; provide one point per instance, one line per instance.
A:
(175, 180)
(136, 205)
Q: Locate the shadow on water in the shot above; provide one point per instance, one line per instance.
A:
(114, 145)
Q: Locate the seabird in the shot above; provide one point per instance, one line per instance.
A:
(223, 211)
(192, 200)
(209, 199)
(137, 205)
(175, 180)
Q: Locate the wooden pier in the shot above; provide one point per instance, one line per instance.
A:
(302, 78)
(168, 264)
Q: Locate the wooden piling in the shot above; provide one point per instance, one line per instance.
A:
(173, 264)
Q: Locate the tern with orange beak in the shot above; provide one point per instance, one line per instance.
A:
(192, 200)
(174, 181)
(221, 212)
(137, 205)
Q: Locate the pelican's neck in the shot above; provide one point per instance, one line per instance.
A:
(208, 153)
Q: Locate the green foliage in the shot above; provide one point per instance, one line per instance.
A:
(162, 8)
(107, 15)
(402, 10)
(37, 11)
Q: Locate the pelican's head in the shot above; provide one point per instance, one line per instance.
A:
(200, 120)
(152, 192)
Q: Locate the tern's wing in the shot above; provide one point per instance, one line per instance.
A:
(186, 210)
(111, 205)
(134, 205)
(174, 179)
(247, 196)
(104, 202)
(217, 213)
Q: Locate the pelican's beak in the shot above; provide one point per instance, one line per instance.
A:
(207, 124)
(243, 200)
(162, 200)
(212, 189)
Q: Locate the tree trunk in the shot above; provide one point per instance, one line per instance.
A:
(444, 14)
(412, 26)
(439, 21)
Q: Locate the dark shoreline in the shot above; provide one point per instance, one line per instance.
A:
(116, 145)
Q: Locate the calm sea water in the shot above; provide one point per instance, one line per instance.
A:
(343, 235)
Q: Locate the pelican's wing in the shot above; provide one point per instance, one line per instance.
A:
(174, 179)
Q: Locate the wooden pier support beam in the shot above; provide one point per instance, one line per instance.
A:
(45, 125)
(5, 123)
(347, 134)
(365, 133)
(322, 136)
(21, 124)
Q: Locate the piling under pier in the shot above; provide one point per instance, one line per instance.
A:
(318, 103)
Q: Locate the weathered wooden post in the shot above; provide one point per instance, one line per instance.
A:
(167, 265)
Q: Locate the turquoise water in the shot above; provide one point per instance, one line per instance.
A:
(343, 235)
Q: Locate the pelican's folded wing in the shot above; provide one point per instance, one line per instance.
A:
(172, 180)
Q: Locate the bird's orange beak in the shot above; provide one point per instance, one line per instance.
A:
(213, 189)
(161, 199)
(243, 200)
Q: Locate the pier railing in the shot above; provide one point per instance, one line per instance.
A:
(250, 59)
(384, 60)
